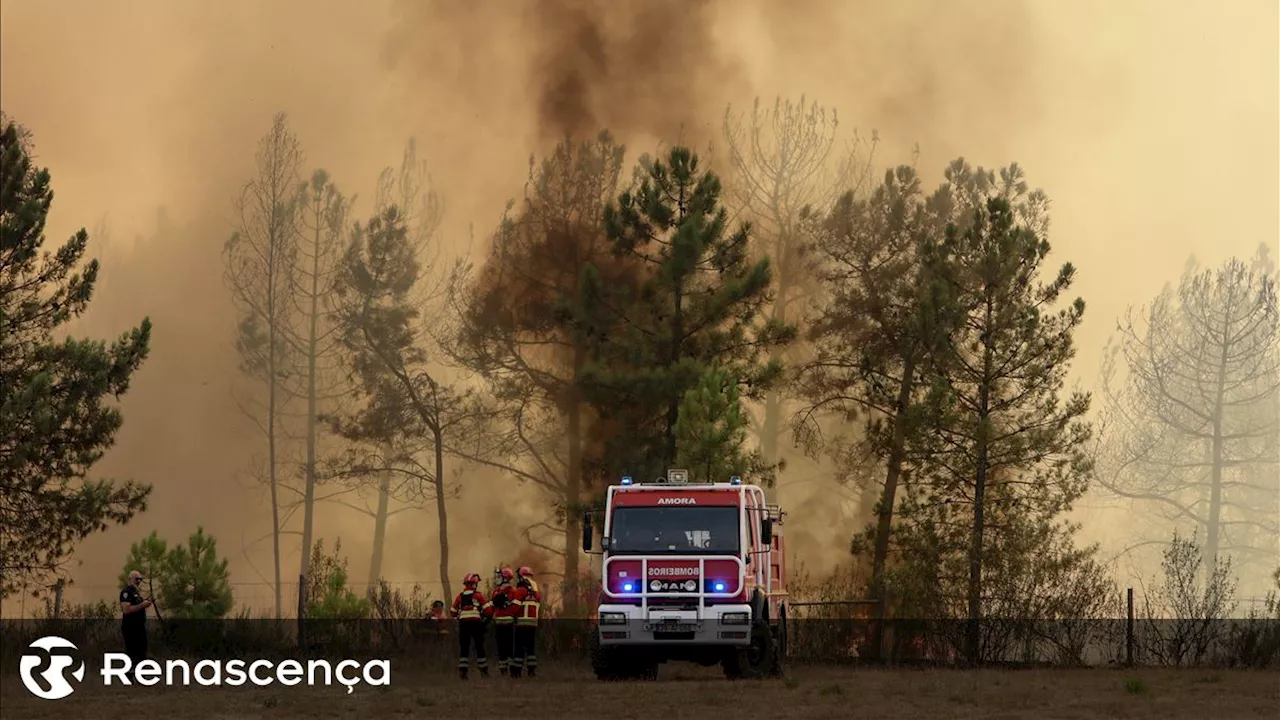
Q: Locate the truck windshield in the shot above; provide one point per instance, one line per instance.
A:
(675, 530)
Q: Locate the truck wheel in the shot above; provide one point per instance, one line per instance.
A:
(604, 662)
(645, 670)
(757, 660)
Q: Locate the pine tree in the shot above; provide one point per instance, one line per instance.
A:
(197, 586)
(883, 315)
(322, 212)
(148, 556)
(190, 581)
(381, 290)
(1193, 389)
(712, 430)
(700, 302)
(525, 325)
(260, 270)
(785, 160)
(55, 420)
(1010, 448)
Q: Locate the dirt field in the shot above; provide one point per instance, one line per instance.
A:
(808, 693)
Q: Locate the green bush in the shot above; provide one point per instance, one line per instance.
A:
(190, 581)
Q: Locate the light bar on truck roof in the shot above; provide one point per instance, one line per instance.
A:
(626, 480)
(735, 480)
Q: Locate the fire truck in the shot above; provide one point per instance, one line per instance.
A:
(689, 572)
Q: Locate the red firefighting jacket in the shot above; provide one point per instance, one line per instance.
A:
(530, 602)
(502, 606)
(469, 605)
(437, 620)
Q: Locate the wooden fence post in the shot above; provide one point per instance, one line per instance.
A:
(1128, 631)
(57, 598)
(302, 610)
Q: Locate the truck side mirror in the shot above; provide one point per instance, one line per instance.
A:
(766, 531)
(586, 532)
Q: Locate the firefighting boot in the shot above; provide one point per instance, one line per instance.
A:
(462, 673)
(484, 672)
(515, 671)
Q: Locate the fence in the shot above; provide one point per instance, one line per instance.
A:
(847, 631)
(841, 632)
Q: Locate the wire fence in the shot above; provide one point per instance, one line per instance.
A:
(256, 599)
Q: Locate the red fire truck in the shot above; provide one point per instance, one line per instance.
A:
(691, 572)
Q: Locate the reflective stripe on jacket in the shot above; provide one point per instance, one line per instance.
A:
(530, 603)
(468, 604)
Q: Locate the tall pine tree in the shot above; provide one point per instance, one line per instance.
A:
(883, 315)
(525, 327)
(382, 289)
(700, 302)
(55, 416)
(1011, 450)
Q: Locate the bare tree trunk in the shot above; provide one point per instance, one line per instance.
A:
(271, 457)
(57, 598)
(884, 524)
(380, 527)
(1212, 527)
(979, 492)
(260, 264)
(573, 498)
(309, 497)
(442, 516)
(673, 410)
(771, 426)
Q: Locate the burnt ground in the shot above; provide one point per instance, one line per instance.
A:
(691, 692)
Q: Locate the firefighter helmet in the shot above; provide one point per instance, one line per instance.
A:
(505, 574)
(471, 580)
(525, 571)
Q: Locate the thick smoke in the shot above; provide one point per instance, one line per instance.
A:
(643, 69)
(634, 67)
(1125, 118)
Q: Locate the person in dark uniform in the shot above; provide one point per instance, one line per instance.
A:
(133, 623)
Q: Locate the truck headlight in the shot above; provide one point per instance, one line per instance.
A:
(735, 618)
(613, 618)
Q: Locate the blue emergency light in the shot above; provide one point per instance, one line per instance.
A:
(626, 480)
(735, 480)
(719, 587)
(627, 587)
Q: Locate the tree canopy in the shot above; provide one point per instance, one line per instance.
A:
(699, 302)
(56, 418)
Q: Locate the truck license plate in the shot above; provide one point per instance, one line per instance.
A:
(671, 626)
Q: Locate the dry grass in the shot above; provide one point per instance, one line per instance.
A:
(692, 692)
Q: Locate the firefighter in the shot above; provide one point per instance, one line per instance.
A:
(469, 609)
(526, 634)
(504, 611)
(437, 618)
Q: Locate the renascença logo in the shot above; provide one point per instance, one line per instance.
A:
(48, 659)
(237, 672)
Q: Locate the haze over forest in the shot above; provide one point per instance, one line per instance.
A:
(1153, 128)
